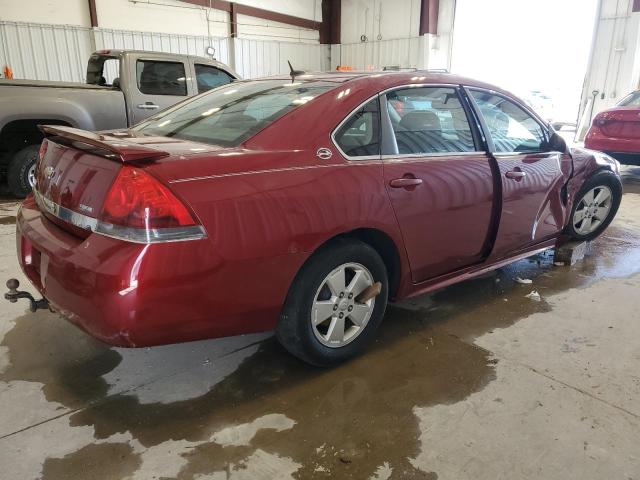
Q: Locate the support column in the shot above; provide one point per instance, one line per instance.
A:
(429, 17)
(93, 13)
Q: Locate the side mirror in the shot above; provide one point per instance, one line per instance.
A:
(556, 142)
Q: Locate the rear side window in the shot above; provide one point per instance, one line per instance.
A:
(631, 100)
(359, 136)
(229, 115)
(103, 70)
(161, 78)
(429, 120)
(511, 127)
(209, 77)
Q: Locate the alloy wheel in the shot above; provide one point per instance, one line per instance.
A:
(592, 210)
(337, 316)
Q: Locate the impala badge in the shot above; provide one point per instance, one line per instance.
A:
(49, 172)
(324, 153)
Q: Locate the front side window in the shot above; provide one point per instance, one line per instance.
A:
(229, 115)
(511, 127)
(359, 136)
(209, 77)
(161, 78)
(429, 120)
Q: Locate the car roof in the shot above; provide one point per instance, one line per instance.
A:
(389, 79)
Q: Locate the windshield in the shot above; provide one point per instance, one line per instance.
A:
(229, 115)
(631, 100)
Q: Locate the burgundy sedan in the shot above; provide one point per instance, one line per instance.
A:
(302, 205)
(616, 131)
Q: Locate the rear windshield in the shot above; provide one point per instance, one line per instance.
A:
(231, 114)
(631, 100)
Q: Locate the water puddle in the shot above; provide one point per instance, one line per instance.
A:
(354, 421)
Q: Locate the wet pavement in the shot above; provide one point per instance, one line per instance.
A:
(474, 381)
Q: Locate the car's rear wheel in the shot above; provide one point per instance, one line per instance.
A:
(330, 313)
(596, 204)
(21, 173)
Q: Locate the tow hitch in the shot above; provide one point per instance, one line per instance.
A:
(13, 295)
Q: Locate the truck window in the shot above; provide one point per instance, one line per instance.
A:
(111, 70)
(209, 77)
(161, 78)
(102, 70)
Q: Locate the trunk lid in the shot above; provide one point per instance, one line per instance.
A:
(77, 168)
(622, 122)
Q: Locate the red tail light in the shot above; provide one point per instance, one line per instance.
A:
(600, 121)
(138, 200)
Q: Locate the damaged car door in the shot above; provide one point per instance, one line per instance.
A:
(532, 173)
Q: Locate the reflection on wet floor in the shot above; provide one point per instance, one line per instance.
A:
(93, 461)
(348, 422)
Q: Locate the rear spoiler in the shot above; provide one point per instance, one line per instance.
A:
(126, 151)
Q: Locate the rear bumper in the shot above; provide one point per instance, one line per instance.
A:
(625, 150)
(134, 295)
(626, 158)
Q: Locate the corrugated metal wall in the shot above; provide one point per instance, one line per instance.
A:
(161, 42)
(259, 58)
(401, 52)
(60, 52)
(45, 52)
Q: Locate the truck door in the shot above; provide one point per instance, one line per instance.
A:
(155, 84)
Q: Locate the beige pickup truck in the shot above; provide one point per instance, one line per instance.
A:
(123, 87)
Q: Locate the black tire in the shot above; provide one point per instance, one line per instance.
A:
(603, 178)
(295, 331)
(18, 172)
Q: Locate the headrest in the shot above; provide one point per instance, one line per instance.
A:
(420, 120)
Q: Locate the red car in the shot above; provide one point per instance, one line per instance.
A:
(616, 131)
(302, 204)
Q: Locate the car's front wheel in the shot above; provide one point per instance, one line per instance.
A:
(596, 204)
(335, 304)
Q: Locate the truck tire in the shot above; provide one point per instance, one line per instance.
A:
(22, 170)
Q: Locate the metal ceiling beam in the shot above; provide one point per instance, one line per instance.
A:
(239, 9)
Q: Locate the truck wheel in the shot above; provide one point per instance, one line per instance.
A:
(325, 319)
(21, 173)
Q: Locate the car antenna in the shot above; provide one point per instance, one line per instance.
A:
(293, 72)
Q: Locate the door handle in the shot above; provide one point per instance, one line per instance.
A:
(515, 174)
(148, 106)
(405, 182)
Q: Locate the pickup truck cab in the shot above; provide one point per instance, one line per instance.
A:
(123, 87)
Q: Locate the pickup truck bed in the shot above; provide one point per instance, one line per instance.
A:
(123, 88)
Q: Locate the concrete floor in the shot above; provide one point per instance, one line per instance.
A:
(473, 382)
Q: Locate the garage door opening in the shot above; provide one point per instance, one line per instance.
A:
(538, 50)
